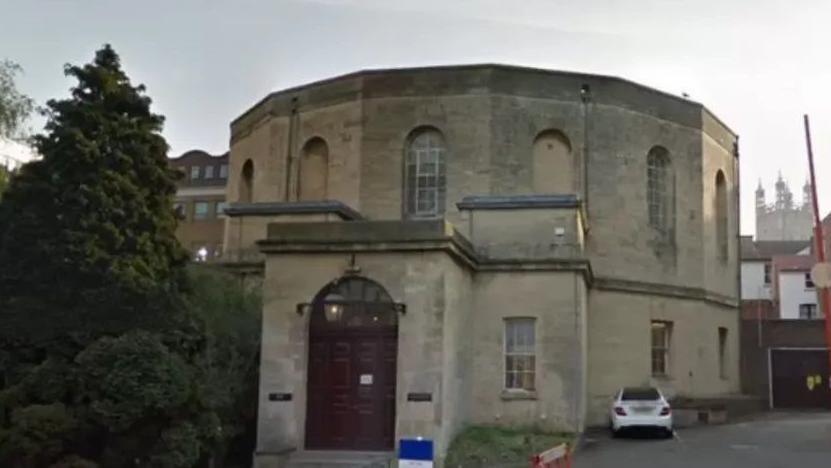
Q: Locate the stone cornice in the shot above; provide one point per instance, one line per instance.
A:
(518, 202)
(666, 290)
(293, 208)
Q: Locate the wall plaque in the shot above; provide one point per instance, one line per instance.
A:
(419, 396)
(279, 397)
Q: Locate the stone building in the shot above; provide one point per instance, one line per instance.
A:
(784, 219)
(200, 203)
(480, 244)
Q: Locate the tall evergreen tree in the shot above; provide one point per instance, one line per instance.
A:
(87, 232)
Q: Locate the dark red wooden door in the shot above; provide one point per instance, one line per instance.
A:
(353, 346)
(799, 379)
(351, 394)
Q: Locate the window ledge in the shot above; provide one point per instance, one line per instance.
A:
(664, 377)
(509, 395)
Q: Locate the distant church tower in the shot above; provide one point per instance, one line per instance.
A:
(783, 220)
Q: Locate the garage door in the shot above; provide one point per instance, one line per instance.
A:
(799, 378)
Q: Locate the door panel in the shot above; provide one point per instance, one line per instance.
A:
(351, 402)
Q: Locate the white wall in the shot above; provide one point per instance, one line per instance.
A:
(753, 281)
(14, 154)
(792, 292)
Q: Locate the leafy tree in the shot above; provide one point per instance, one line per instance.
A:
(4, 180)
(89, 260)
(89, 228)
(112, 353)
(228, 364)
(15, 107)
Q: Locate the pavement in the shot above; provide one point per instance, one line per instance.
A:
(770, 440)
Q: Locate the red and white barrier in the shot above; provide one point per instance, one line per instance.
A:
(556, 457)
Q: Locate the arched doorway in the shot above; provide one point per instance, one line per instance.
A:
(353, 346)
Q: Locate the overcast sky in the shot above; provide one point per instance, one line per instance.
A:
(758, 65)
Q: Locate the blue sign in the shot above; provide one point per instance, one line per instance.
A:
(415, 453)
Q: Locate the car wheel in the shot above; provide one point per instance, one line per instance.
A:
(668, 433)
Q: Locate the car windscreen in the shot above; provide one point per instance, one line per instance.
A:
(640, 394)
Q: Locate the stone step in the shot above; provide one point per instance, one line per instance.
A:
(340, 459)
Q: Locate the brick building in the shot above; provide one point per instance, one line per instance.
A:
(200, 202)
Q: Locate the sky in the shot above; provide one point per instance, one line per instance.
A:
(758, 65)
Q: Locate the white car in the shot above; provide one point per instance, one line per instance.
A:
(640, 407)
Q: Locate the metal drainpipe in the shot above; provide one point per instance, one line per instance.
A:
(585, 97)
(579, 370)
(293, 117)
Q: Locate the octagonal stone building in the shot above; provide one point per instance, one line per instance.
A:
(480, 244)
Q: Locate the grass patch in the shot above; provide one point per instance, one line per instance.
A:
(488, 446)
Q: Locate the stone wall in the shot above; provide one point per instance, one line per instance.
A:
(620, 347)
(554, 300)
(529, 234)
(597, 320)
(433, 352)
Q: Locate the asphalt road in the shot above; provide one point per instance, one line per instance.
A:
(775, 440)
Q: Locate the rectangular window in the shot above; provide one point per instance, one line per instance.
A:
(767, 273)
(223, 171)
(425, 181)
(722, 352)
(520, 354)
(220, 208)
(194, 172)
(201, 210)
(809, 283)
(661, 336)
(179, 209)
(209, 172)
(808, 311)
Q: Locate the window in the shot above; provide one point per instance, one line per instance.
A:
(640, 394)
(220, 208)
(194, 172)
(425, 178)
(223, 171)
(209, 172)
(200, 210)
(661, 336)
(722, 352)
(721, 216)
(520, 355)
(659, 190)
(767, 273)
(808, 311)
(179, 210)
(809, 283)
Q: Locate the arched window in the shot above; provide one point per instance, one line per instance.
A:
(314, 170)
(660, 190)
(721, 215)
(246, 183)
(553, 165)
(352, 301)
(425, 174)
